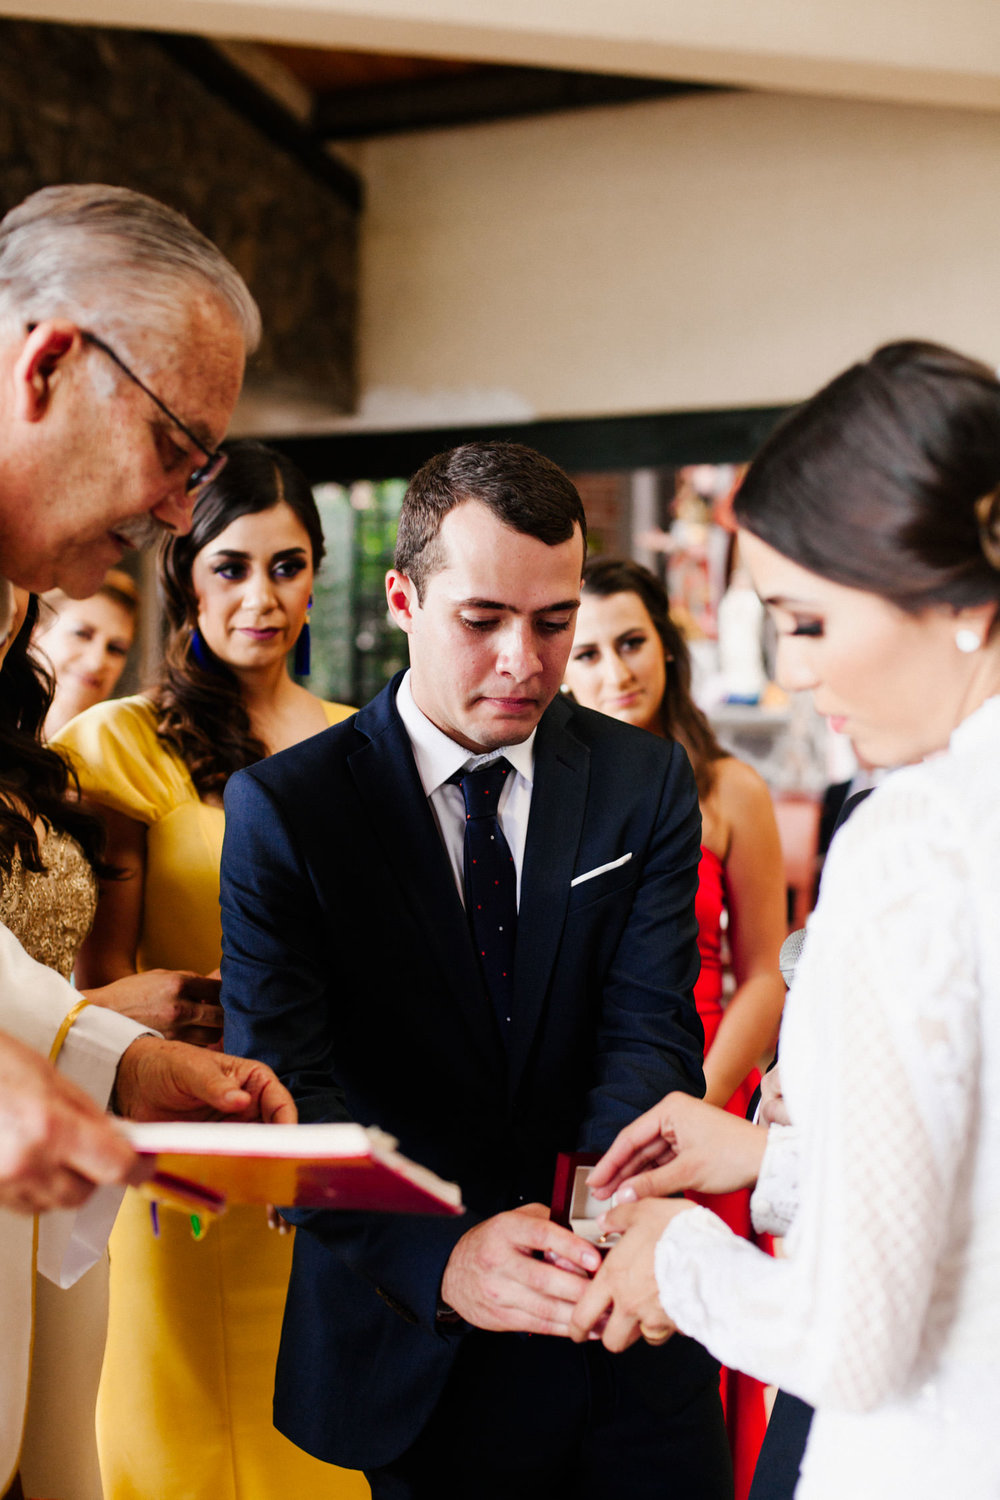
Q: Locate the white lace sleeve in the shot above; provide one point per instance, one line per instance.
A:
(775, 1199)
(880, 1060)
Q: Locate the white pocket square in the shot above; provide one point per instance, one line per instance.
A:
(611, 865)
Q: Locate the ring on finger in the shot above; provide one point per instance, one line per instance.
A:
(654, 1335)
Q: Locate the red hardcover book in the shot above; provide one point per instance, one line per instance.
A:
(204, 1167)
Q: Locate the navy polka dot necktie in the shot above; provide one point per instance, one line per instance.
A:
(490, 883)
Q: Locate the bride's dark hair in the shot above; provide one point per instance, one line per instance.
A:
(200, 710)
(36, 782)
(888, 480)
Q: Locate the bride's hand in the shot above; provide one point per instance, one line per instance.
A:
(622, 1303)
(773, 1110)
(680, 1144)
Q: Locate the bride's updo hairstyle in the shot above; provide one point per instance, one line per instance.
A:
(200, 710)
(888, 480)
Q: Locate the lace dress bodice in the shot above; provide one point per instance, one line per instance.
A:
(886, 1312)
(51, 912)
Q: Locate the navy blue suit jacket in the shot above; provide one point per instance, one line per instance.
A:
(349, 967)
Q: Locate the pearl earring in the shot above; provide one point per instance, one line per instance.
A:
(967, 640)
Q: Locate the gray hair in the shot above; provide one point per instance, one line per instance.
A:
(115, 262)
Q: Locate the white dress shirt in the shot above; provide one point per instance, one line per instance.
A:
(438, 758)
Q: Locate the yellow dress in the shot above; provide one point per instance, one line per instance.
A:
(185, 1400)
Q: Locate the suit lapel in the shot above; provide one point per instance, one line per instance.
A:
(555, 826)
(414, 858)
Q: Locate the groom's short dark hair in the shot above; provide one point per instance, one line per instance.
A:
(525, 491)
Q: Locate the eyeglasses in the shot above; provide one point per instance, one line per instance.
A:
(215, 461)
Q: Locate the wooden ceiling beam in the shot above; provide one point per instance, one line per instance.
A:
(476, 97)
(231, 84)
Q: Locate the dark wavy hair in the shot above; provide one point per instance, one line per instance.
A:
(200, 710)
(680, 717)
(36, 782)
(888, 479)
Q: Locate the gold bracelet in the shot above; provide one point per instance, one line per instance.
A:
(63, 1031)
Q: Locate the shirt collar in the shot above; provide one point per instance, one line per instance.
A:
(438, 757)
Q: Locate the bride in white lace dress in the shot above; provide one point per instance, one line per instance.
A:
(871, 524)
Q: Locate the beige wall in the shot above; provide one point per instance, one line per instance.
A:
(701, 252)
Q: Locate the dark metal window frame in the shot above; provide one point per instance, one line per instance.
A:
(581, 445)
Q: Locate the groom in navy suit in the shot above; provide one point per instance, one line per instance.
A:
(487, 1029)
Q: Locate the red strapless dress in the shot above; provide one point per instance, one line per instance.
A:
(742, 1397)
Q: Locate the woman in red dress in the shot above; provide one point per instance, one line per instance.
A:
(630, 660)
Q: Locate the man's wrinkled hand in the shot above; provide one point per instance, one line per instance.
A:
(55, 1144)
(180, 1004)
(160, 1080)
(498, 1277)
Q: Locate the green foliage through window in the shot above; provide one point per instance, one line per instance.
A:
(355, 646)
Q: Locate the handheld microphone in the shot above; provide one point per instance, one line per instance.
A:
(791, 952)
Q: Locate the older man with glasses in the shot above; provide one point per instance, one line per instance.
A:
(123, 335)
(215, 461)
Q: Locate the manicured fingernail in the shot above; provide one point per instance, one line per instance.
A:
(626, 1194)
(591, 1260)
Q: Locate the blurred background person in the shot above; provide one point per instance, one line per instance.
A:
(185, 1405)
(86, 643)
(871, 525)
(630, 660)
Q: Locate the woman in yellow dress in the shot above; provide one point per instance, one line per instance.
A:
(185, 1401)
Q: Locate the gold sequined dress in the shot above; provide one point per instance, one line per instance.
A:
(50, 913)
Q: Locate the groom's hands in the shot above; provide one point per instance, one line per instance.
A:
(496, 1277)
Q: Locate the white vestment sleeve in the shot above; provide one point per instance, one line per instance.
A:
(34, 1003)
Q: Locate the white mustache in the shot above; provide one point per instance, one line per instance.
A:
(142, 531)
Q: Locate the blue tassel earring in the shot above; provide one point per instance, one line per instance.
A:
(303, 647)
(199, 651)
